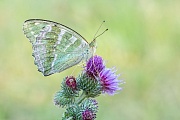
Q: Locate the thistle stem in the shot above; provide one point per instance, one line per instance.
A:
(81, 98)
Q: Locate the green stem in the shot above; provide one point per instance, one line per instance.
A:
(81, 98)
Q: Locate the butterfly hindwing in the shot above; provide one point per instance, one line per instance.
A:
(55, 46)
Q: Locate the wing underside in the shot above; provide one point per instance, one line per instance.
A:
(55, 46)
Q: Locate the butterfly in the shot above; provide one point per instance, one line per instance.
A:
(56, 47)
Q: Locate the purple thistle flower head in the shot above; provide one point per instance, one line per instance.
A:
(88, 115)
(94, 66)
(109, 81)
(71, 82)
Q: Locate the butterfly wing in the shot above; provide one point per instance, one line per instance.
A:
(55, 46)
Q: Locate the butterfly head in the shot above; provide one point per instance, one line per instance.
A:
(93, 46)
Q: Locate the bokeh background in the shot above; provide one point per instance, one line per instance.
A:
(143, 43)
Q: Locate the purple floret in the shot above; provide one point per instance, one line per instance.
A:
(88, 115)
(109, 81)
(94, 66)
(71, 82)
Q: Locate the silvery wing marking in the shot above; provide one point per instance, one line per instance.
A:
(55, 46)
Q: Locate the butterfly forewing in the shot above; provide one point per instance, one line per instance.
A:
(55, 46)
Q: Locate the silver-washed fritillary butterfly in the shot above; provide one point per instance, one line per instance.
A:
(56, 47)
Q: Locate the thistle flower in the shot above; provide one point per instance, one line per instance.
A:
(94, 66)
(94, 80)
(61, 100)
(109, 81)
(90, 86)
(89, 109)
(88, 115)
(71, 82)
(72, 113)
(67, 94)
(69, 86)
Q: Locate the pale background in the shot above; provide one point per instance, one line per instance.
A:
(143, 42)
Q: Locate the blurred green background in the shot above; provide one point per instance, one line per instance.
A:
(143, 43)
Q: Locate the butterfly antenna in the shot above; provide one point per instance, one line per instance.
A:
(98, 30)
(100, 34)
